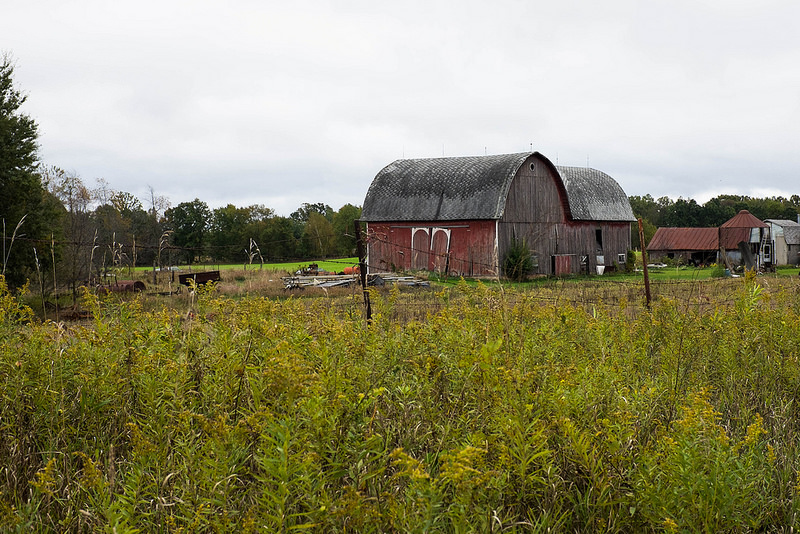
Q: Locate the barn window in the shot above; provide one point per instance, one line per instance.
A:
(533, 167)
(621, 259)
(598, 237)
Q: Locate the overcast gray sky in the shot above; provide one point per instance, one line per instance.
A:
(280, 103)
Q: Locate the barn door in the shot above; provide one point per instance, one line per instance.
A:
(440, 247)
(562, 264)
(420, 247)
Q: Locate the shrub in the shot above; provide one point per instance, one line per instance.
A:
(518, 262)
(630, 261)
(717, 270)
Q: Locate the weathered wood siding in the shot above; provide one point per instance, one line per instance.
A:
(577, 239)
(535, 206)
(537, 212)
(535, 196)
(456, 247)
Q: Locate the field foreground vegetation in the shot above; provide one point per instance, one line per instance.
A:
(484, 410)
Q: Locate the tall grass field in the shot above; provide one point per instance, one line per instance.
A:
(466, 408)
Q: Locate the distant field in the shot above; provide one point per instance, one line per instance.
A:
(338, 265)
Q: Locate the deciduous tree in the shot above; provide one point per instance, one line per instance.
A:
(318, 235)
(189, 222)
(345, 238)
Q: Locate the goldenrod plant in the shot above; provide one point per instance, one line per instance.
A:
(461, 409)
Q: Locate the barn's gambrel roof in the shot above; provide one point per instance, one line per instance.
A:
(476, 187)
(594, 195)
(441, 189)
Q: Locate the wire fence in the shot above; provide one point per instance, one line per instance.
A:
(594, 296)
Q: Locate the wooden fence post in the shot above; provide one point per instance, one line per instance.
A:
(362, 269)
(644, 265)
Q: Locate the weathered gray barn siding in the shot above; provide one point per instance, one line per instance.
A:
(538, 212)
(576, 240)
(535, 196)
(535, 206)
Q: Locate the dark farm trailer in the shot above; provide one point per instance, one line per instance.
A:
(199, 278)
(461, 215)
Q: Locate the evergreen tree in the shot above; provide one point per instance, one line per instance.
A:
(21, 191)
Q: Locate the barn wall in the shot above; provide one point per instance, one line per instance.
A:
(537, 212)
(535, 208)
(576, 239)
(468, 247)
(534, 197)
(457, 247)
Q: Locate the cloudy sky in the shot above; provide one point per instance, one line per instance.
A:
(280, 103)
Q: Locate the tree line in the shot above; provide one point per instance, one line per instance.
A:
(88, 232)
(665, 212)
(59, 231)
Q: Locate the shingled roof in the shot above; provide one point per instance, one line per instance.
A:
(476, 187)
(594, 196)
(441, 188)
(792, 235)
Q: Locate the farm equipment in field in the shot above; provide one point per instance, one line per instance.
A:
(199, 278)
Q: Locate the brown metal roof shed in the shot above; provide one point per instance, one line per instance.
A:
(692, 239)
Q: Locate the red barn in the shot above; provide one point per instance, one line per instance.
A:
(461, 215)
